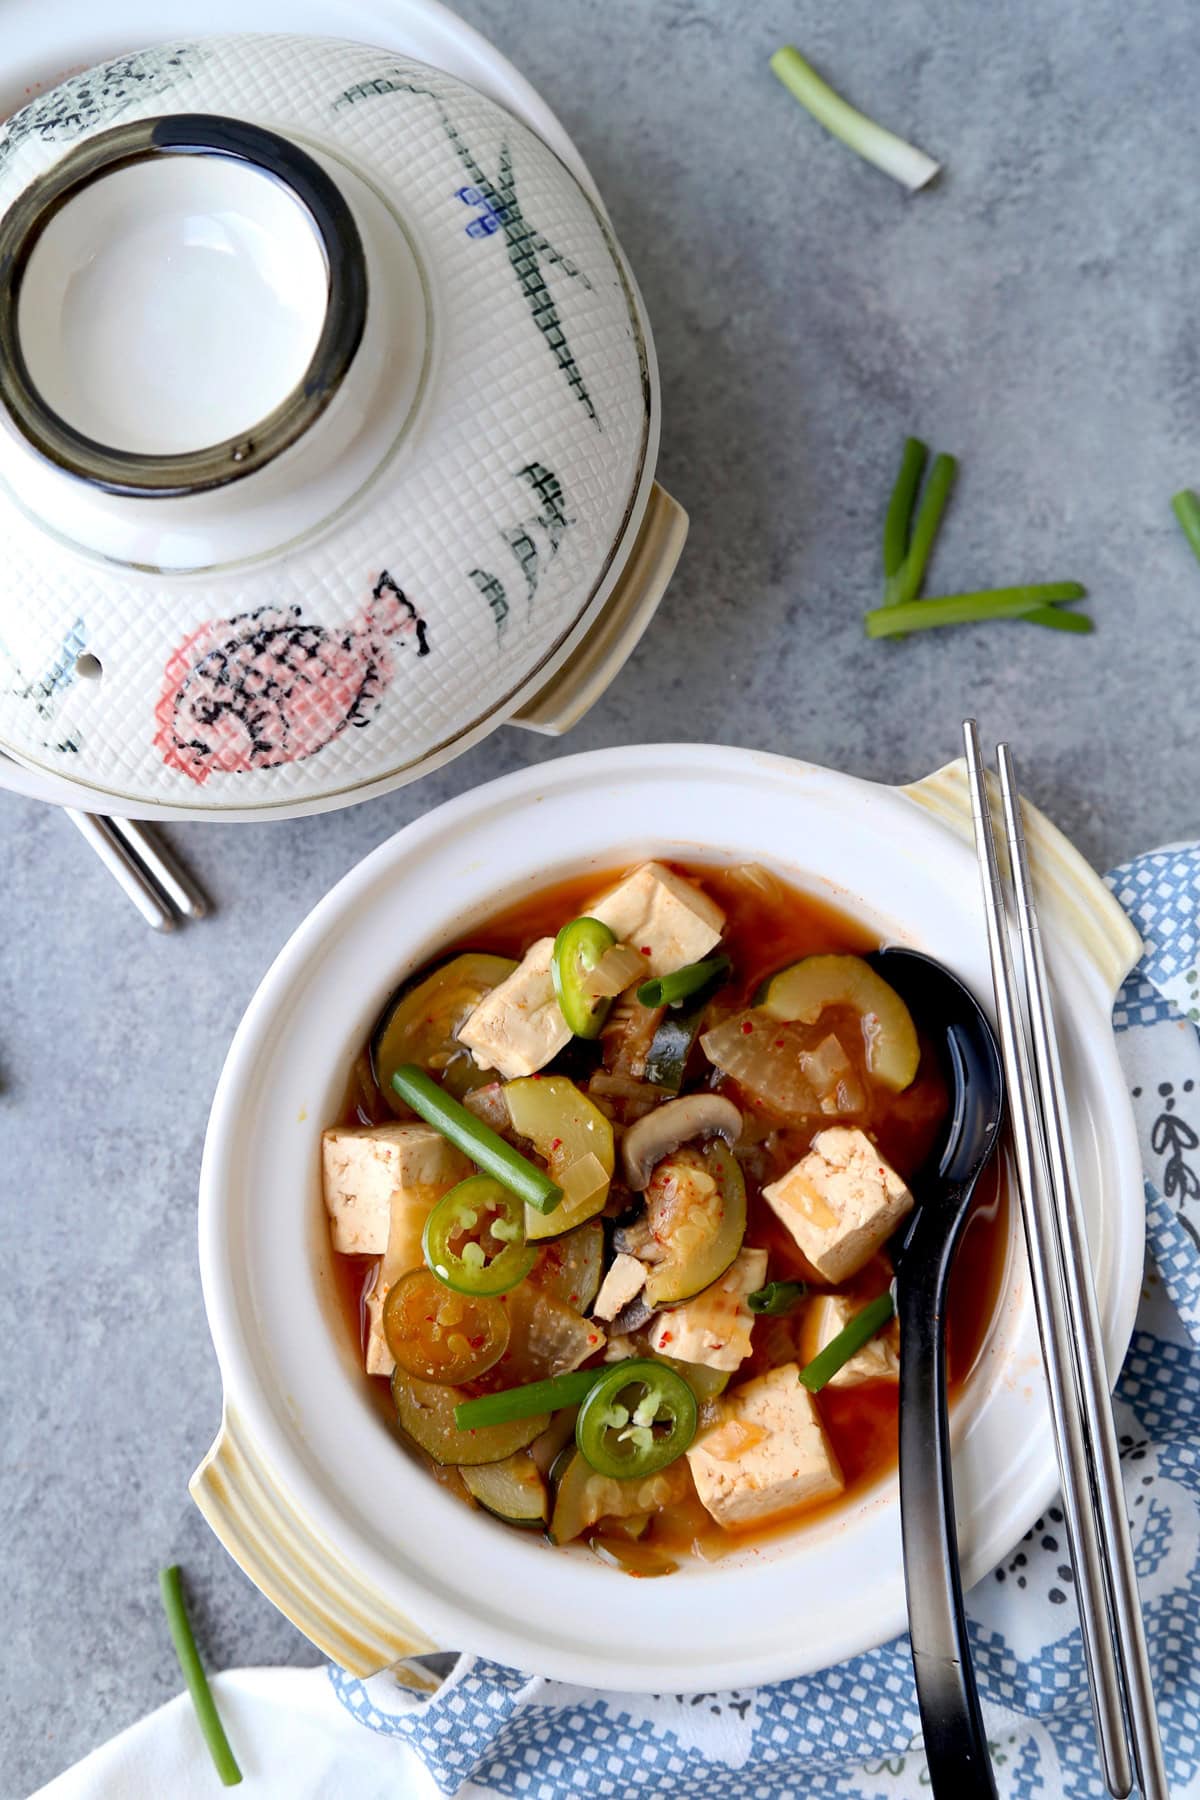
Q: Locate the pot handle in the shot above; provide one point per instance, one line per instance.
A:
(1069, 890)
(297, 1569)
(624, 617)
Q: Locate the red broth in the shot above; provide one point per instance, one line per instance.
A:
(769, 923)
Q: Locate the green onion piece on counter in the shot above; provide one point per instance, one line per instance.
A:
(193, 1674)
(1187, 510)
(848, 1342)
(968, 609)
(872, 142)
(777, 1298)
(1059, 618)
(485, 1147)
(905, 584)
(667, 990)
(528, 1401)
(900, 506)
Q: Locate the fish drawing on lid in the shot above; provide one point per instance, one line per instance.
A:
(267, 687)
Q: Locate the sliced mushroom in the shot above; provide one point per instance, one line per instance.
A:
(633, 1236)
(667, 1127)
(632, 1317)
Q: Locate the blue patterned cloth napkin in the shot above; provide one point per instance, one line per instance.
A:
(853, 1732)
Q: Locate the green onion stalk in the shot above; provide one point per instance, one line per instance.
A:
(876, 145)
(171, 1589)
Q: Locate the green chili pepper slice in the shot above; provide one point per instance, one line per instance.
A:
(638, 1418)
(578, 947)
(474, 1239)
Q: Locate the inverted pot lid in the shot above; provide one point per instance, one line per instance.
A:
(202, 607)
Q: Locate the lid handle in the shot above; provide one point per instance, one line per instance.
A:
(608, 645)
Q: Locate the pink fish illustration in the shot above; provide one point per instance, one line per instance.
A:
(266, 687)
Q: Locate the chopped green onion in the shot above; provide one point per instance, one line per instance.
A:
(900, 506)
(1187, 510)
(528, 1401)
(872, 142)
(848, 1342)
(968, 609)
(905, 584)
(777, 1298)
(486, 1148)
(225, 1762)
(666, 990)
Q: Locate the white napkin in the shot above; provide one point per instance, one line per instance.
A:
(292, 1738)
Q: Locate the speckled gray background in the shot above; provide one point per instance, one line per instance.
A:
(1035, 313)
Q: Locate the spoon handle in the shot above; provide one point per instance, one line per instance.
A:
(960, 1767)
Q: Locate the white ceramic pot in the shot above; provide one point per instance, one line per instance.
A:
(328, 423)
(306, 1485)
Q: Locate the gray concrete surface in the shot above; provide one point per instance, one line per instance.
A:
(1035, 313)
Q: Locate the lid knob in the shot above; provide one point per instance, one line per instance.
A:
(180, 299)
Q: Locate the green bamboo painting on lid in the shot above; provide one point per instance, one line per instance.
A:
(502, 211)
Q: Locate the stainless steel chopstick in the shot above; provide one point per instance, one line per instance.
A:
(144, 868)
(1117, 1549)
(1049, 1299)
(173, 881)
(122, 864)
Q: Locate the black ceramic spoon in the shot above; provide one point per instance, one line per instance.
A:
(955, 1741)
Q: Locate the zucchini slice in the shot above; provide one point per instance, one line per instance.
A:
(696, 1208)
(613, 1546)
(570, 1268)
(420, 1023)
(574, 1139)
(425, 1411)
(704, 1382)
(582, 1496)
(804, 989)
(562, 1460)
(558, 1436)
(514, 1490)
(676, 1035)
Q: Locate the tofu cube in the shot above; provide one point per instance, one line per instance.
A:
(623, 1283)
(714, 1328)
(518, 1028)
(840, 1202)
(365, 1168)
(876, 1361)
(381, 1184)
(766, 1454)
(379, 1359)
(666, 919)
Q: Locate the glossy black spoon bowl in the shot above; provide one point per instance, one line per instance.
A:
(951, 1019)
